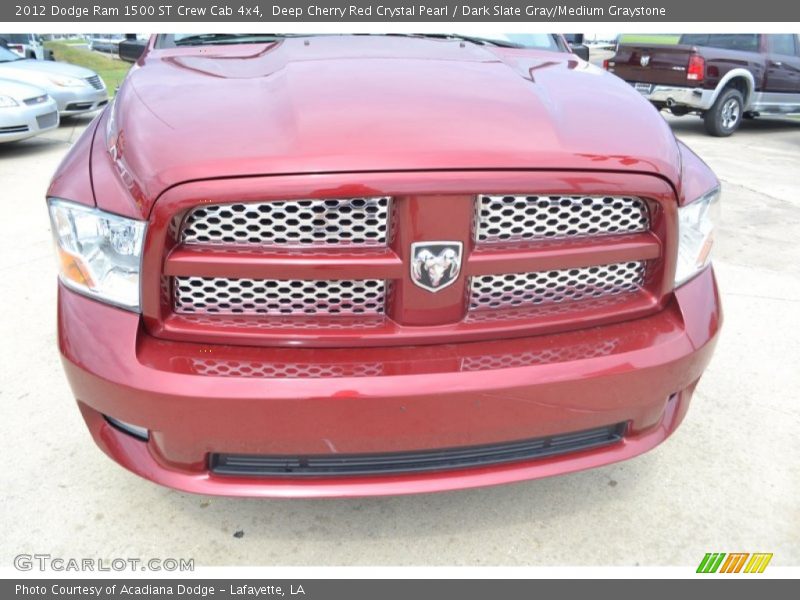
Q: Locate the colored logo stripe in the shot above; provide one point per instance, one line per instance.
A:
(710, 562)
(734, 562)
(758, 563)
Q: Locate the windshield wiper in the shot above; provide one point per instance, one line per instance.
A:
(229, 38)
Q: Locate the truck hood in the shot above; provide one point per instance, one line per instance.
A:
(377, 103)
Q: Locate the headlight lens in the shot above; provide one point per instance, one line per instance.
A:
(99, 254)
(62, 81)
(696, 223)
(7, 102)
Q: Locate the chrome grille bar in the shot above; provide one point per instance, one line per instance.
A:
(287, 223)
(544, 287)
(222, 296)
(516, 218)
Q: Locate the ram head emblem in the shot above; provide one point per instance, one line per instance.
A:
(435, 265)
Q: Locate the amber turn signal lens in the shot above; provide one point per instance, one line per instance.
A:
(99, 254)
(72, 268)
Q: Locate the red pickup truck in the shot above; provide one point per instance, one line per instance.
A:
(721, 77)
(386, 264)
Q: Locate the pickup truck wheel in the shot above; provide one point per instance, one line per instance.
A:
(724, 117)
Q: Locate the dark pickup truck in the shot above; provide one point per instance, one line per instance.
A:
(720, 77)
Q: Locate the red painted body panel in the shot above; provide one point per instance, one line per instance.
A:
(389, 104)
(248, 124)
(72, 179)
(386, 399)
(138, 458)
(696, 177)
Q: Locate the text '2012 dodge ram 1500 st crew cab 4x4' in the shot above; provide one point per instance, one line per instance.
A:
(721, 77)
(364, 265)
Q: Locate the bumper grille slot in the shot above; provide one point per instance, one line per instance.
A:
(79, 106)
(520, 218)
(282, 370)
(352, 221)
(413, 462)
(222, 296)
(546, 287)
(47, 121)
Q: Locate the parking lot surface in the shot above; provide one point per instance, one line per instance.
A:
(727, 481)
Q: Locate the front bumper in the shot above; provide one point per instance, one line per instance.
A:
(19, 123)
(267, 401)
(79, 100)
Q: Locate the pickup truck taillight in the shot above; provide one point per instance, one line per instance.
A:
(696, 69)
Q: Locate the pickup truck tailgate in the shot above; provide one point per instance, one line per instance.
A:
(663, 65)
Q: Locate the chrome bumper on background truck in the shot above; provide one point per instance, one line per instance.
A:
(667, 95)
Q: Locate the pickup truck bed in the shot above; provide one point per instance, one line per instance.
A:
(721, 77)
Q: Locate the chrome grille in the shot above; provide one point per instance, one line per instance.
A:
(550, 310)
(221, 296)
(95, 82)
(545, 287)
(351, 221)
(518, 218)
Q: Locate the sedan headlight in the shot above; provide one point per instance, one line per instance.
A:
(100, 254)
(696, 223)
(7, 102)
(62, 81)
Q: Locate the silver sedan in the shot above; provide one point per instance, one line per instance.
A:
(25, 111)
(75, 89)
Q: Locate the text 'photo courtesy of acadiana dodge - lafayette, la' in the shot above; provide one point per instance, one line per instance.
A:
(155, 589)
(343, 12)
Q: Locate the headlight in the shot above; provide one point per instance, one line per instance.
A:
(99, 253)
(696, 222)
(67, 81)
(7, 102)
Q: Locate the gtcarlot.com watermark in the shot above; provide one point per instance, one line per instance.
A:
(47, 562)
